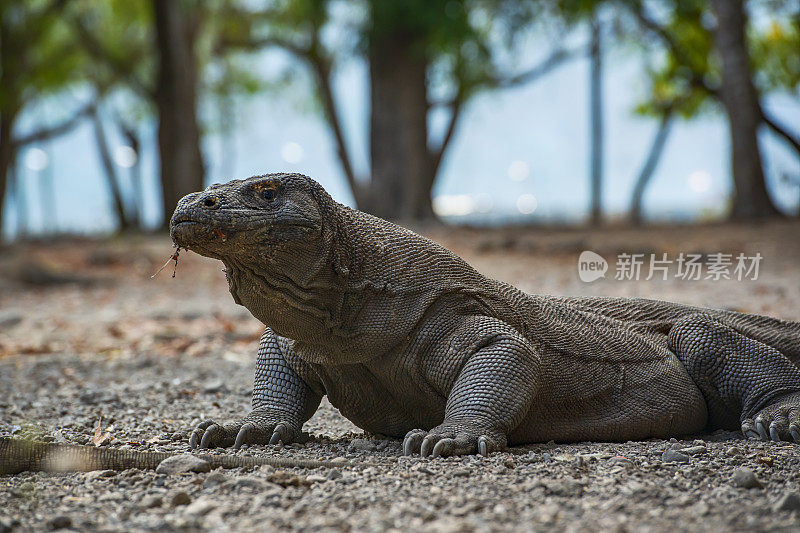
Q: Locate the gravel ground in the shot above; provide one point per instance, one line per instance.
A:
(150, 359)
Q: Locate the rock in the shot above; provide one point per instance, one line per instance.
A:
(674, 456)
(546, 457)
(733, 451)
(213, 386)
(461, 472)
(362, 445)
(179, 464)
(180, 498)
(340, 460)
(788, 502)
(59, 437)
(334, 473)
(259, 486)
(97, 474)
(200, 507)
(152, 500)
(214, 479)
(620, 461)
(23, 491)
(694, 450)
(316, 478)
(59, 522)
(285, 478)
(745, 478)
(250, 482)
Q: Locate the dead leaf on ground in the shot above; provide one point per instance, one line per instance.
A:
(99, 437)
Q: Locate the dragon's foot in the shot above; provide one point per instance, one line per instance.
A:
(779, 421)
(258, 427)
(454, 438)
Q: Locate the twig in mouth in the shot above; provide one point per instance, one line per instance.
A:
(174, 257)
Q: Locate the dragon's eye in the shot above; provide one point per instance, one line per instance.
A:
(266, 190)
(269, 194)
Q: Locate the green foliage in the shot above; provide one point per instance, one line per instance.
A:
(775, 51)
(684, 72)
(39, 57)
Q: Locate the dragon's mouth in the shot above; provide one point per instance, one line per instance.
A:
(188, 233)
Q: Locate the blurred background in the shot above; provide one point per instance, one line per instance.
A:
(479, 112)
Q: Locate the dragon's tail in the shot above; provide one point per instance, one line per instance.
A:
(20, 455)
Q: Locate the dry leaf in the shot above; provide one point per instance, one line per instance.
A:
(99, 437)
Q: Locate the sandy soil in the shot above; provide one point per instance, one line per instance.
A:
(85, 333)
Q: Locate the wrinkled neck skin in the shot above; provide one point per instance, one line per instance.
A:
(288, 288)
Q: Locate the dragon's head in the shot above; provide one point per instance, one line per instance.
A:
(258, 216)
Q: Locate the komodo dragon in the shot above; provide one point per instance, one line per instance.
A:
(407, 340)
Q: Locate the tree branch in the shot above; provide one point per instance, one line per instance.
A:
(438, 154)
(781, 131)
(556, 58)
(251, 44)
(97, 50)
(59, 129)
(322, 73)
(698, 81)
(321, 70)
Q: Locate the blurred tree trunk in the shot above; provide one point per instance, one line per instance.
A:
(596, 112)
(136, 211)
(16, 185)
(401, 165)
(110, 172)
(8, 108)
(742, 106)
(7, 154)
(649, 167)
(182, 169)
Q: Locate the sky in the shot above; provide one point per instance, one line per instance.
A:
(519, 154)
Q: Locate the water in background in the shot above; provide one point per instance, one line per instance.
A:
(519, 155)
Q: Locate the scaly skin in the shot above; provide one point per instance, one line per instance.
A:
(408, 340)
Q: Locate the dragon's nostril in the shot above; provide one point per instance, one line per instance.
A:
(210, 202)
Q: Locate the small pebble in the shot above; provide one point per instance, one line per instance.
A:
(693, 450)
(96, 474)
(733, 451)
(674, 456)
(362, 445)
(214, 479)
(23, 491)
(213, 386)
(200, 507)
(180, 498)
(60, 522)
(179, 464)
(461, 472)
(746, 479)
(250, 482)
(152, 500)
